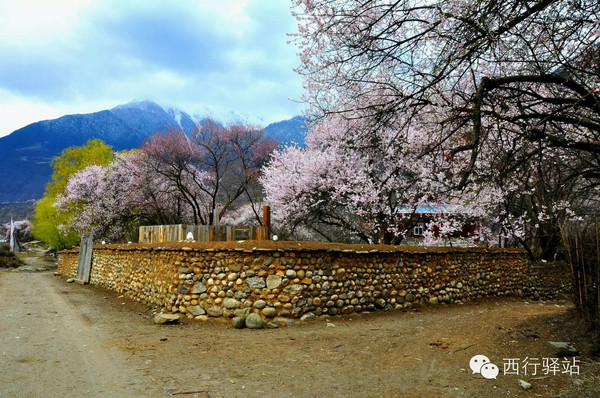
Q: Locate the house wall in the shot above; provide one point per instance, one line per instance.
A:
(289, 279)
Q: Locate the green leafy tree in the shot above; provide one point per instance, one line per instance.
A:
(46, 221)
(47, 217)
(74, 159)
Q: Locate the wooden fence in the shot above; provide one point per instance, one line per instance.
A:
(201, 233)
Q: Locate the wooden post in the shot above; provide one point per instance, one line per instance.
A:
(84, 264)
(267, 220)
(11, 238)
(216, 235)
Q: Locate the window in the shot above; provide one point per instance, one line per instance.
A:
(418, 229)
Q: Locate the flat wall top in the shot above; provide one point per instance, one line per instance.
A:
(268, 245)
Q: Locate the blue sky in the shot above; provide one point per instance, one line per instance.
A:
(206, 57)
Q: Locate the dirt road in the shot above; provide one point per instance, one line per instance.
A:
(59, 339)
(50, 346)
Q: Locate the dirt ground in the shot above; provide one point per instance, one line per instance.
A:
(59, 339)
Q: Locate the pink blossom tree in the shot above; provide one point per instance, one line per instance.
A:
(348, 182)
(156, 200)
(216, 168)
(22, 228)
(498, 94)
(532, 66)
(98, 198)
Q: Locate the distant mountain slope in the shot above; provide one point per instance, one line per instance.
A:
(18, 211)
(25, 154)
(288, 131)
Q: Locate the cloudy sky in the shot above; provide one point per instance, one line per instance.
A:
(204, 56)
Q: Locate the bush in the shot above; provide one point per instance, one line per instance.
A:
(7, 258)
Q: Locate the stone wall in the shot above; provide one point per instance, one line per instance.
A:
(290, 279)
(548, 280)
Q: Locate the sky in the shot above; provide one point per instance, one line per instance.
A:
(205, 57)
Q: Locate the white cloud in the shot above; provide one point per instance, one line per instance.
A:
(72, 55)
(39, 19)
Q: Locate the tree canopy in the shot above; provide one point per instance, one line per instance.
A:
(464, 68)
(75, 159)
(498, 102)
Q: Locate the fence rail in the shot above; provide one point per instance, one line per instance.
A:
(201, 233)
